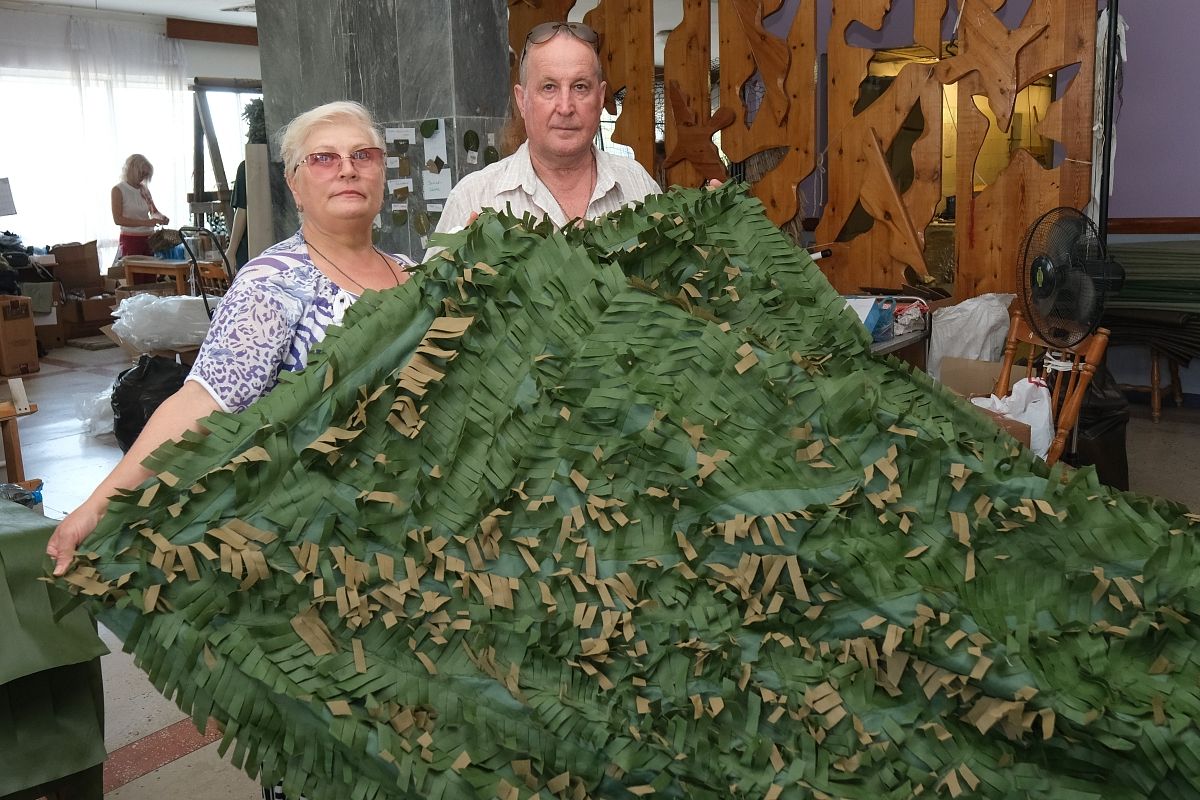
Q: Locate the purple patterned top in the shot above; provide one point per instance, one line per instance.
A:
(276, 310)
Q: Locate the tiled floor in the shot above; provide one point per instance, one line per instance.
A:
(153, 749)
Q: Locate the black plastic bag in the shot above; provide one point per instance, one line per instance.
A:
(141, 389)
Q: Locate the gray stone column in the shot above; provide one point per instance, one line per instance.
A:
(409, 62)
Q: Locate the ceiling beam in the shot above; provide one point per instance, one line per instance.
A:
(211, 32)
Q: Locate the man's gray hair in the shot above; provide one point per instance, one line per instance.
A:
(523, 74)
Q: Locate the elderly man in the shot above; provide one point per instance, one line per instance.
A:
(557, 172)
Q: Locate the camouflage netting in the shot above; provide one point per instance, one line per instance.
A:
(630, 510)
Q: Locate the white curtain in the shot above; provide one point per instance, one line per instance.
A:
(80, 96)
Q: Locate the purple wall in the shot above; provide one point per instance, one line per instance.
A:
(1157, 172)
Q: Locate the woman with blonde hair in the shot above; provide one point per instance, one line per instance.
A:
(133, 208)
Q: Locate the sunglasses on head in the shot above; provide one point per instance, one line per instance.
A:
(548, 30)
(365, 159)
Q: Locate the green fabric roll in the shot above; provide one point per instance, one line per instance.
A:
(51, 698)
(629, 510)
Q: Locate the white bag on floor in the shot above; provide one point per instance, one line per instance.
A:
(96, 412)
(1029, 402)
(147, 322)
(974, 328)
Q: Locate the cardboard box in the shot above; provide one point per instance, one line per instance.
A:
(18, 340)
(77, 265)
(969, 378)
(51, 337)
(49, 330)
(86, 314)
(92, 305)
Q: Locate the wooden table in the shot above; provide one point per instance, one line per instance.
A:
(157, 267)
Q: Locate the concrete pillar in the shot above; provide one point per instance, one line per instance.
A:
(409, 62)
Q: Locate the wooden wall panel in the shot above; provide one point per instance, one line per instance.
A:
(747, 48)
(626, 29)
(927, 24)
(777, 189)
(686, 74)
(992, 223)
(858, 174)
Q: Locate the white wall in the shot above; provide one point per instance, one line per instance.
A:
(211, 60)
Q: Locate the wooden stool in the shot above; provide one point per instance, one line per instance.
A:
(1155, 386)
(1156, 383)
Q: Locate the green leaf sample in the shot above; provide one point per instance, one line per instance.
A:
(629, 509)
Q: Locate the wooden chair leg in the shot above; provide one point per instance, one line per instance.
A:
(13, 465)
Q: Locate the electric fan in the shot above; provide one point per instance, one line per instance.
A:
(1064, 275)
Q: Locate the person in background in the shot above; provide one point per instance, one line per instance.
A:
(558, 172)
(133, 208)
(237, 252)
(281, 303)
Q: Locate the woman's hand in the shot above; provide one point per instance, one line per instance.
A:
(69, 533)
(160, 219)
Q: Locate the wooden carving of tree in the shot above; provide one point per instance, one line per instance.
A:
(686, 65)
(858, 171)
(997, 63)
(626, 29)
(786, 118)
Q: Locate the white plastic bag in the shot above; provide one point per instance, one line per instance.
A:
(1029, 402)
(148, 322)
(974, 328)
(96, 412)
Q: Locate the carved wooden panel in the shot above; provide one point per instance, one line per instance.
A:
(858, 172)
(626, 29)
(777, 189)
(747, 48)
(686, 66)
(991, 224)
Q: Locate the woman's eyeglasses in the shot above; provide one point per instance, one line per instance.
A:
(548, 30)
(367, 159)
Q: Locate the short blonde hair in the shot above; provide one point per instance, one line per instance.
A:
(137, 169)
(294, 134)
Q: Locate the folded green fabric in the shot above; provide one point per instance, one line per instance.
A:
(629, 510)
(51, 699)
(33, 639)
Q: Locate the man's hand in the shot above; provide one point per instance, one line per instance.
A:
(712, 183)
